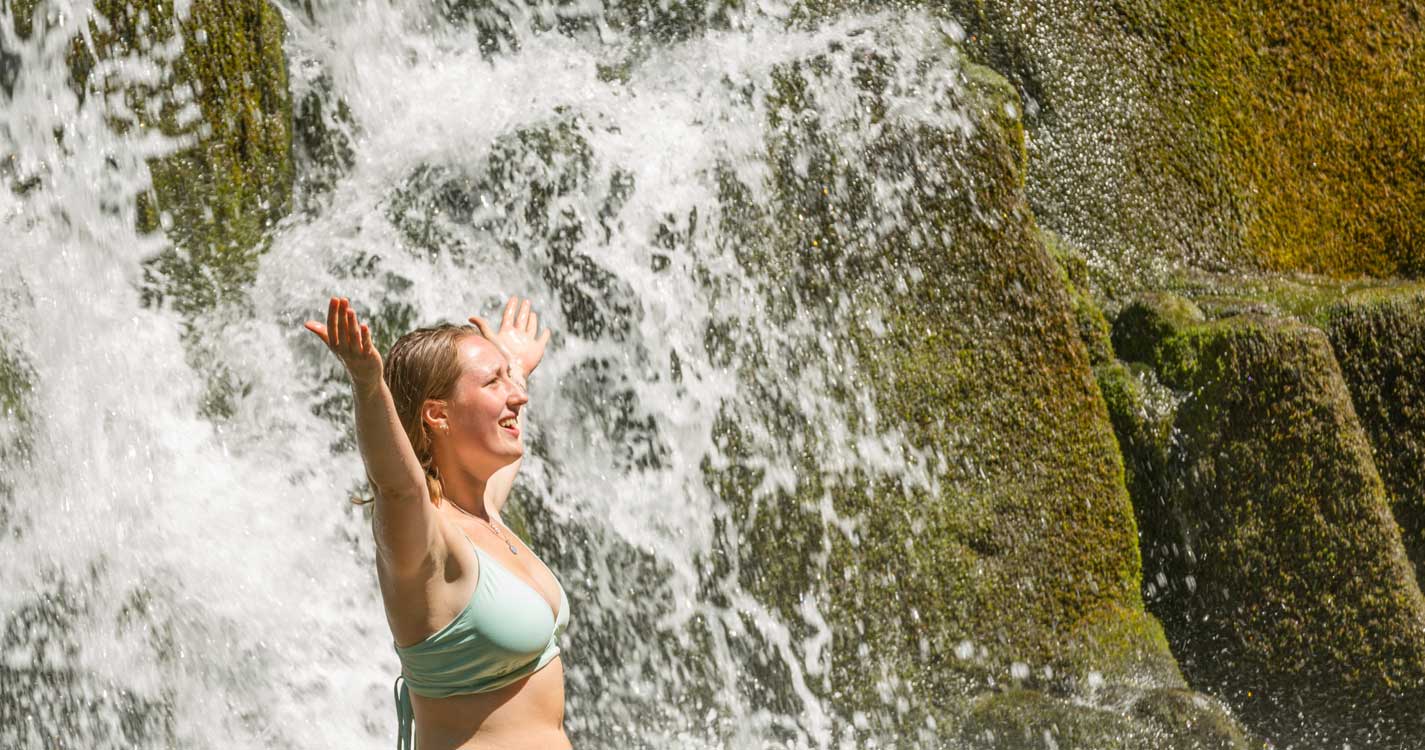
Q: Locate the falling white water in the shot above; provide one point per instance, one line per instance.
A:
(170, 577)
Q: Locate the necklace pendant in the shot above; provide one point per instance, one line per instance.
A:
(513, 551)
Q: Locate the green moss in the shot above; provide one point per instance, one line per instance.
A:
(1025, 531)
(1279, 87)
(217, 199)
(1125, 645)
(1380, 343)
(1192, 721)
(1284, 584)
(1028, 720)
(1093, 326)
(1236, 135)
(16, 382)
(1149, 322)
(1308, 298)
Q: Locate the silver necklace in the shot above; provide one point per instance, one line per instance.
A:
(492, 527)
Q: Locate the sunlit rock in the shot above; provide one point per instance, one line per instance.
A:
(1220, 135)
(1024, 549)
(1271, 555)
(1379, 341)
(227, 95)
(1020, 719)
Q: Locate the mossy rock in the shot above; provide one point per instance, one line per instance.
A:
(1287, 590)
(1127, 646)
(1146, 323)
(48, 698)
(500, 27)
(1192, 721)
(1308, 298)
(1222, 135)
(1165, 719)
(217, 199)
(1026, 531)
(1029, 720)
(1375, 328)
(16, 421)
(1380, 343)
(1093, 326)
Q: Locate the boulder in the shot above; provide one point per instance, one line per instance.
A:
(1379, 341)
(1020, 719)
(216, 199)
(1271, 555)
(1224, 135)
(1017, 560)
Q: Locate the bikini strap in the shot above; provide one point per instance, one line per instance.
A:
(405, 716)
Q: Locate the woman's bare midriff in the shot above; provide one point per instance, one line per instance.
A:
(525, 715)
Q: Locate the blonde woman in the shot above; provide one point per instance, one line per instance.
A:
(475, 615)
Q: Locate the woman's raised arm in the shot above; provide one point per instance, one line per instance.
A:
(406, 530)
(522, 343)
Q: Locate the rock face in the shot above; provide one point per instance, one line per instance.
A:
(1027, 720)
(16, 378)
(1275, 564)
(1176, 131)
(217, 199)
(1026, 549)
(1380, 343)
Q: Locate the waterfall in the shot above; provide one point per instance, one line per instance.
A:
(180, 562)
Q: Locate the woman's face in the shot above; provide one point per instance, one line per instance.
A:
(482, 430)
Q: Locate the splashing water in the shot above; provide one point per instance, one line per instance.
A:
(177, 575)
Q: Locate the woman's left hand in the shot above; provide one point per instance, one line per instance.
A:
(519, 335)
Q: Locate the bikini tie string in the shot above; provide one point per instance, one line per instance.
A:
(405, 717)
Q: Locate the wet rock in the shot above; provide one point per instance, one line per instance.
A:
(1027, 535)
(16, 383)
(216, 200)
(1093, 326)
(1224, 135)
(47, 700)
(1379, 341)
(1020, 719)
(1029, 720)
(1271, 556)
(1191, 721)
(322, 143)
(501, 25)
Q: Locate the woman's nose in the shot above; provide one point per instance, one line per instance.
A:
(518, 396)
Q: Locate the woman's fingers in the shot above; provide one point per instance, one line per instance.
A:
(332, 308)
(523, 317)
(365, 339)
(483, 326)
(339, 332)
(351, 333)
(318, 329)
(533, 326)
(544, 337)
(507, 319)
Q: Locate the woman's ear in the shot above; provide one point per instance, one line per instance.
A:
(434, 416)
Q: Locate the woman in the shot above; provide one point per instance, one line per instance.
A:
(474, 614)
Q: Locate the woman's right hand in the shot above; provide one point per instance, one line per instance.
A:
(350, 341)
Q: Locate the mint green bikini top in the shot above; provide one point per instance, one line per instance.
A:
(505, 633)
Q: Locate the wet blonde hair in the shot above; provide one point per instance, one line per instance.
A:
(423, 365)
